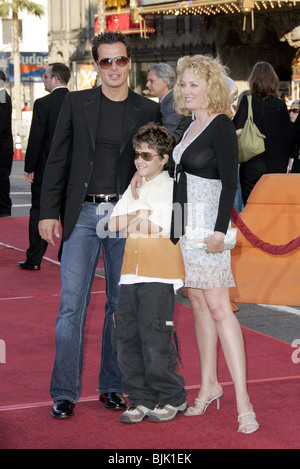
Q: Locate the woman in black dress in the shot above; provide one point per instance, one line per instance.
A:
(206, 163)
(271, 116)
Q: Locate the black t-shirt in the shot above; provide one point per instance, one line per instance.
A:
(109, 138)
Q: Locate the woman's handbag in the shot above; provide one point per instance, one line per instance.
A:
(251, 141)
(195, 237)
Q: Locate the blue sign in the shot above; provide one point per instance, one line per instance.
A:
(4, 66)
(32, 66)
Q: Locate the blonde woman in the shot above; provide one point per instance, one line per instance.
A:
(206, 162)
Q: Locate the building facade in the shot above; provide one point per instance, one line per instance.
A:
(240, 32)
(33, 44)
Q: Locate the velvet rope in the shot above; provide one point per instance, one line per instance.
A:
(277, 249)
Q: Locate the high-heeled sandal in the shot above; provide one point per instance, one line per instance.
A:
(254, 425)
(193, 411)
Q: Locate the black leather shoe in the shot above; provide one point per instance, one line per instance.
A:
(113, 400)
(26, 265)
(62, 410)
(5, 214)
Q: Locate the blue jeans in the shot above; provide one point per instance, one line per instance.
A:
(79, 260)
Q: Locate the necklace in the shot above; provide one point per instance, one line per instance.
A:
(195, 130)
(201, 123)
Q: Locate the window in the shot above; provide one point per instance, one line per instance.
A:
(75, 15)
(6, 31)
(56, 15)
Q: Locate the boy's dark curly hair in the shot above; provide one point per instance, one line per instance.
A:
(156, 136)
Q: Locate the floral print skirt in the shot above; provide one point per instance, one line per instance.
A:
(204, 270)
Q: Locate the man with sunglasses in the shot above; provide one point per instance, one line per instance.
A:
(294, 110)
(93, 144)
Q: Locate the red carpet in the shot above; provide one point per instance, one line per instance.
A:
(28, 308)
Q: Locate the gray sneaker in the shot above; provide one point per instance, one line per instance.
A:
(165, 412)
(135, 414)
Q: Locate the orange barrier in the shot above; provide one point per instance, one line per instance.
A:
(18, 156)
(273, 214)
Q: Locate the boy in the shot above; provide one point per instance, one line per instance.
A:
(152, 269)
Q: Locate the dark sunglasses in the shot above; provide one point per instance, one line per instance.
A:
(295, 111)
(107, 63)
(145, 155)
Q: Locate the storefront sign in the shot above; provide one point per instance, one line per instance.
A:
(87, 76)
(32, 66)
(144, 3)
(124, 23)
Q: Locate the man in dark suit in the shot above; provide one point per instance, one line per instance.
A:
(6, 148)
(95, 129)
(44, 119)
(161, 80)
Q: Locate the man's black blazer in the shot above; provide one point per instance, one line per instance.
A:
(44, 119)
(73, 151)
(6, 140)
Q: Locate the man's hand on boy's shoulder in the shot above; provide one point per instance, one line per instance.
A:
(135, 183)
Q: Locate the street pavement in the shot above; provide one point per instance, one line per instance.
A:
(281, 322)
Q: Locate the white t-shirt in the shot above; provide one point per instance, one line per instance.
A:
(155, 195)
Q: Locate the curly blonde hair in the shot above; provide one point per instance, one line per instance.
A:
(218, 94)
